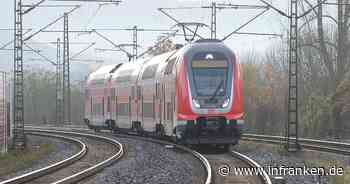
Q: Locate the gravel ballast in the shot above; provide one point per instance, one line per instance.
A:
(275, 156)
(61, 150)
(150, 163)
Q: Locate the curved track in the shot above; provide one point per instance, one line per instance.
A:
(196, 154)
(205, 163)
(312, 144)
(225, 164)
(210, 162)
(79, 166)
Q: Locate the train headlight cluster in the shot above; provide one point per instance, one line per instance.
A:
(196, 103)
(226, 102)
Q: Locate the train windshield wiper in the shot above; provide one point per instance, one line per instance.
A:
(216, 91)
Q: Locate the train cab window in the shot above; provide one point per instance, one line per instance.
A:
(150, 72)
(169, 67)
(209, 71)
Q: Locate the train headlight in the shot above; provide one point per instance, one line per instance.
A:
(226, 103)
(196, 103)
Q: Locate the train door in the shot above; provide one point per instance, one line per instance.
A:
(159, 103)
(169, 96)
(139, 103)
(112, 104)
(148, 97)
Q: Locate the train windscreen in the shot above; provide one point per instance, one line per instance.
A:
(209, 72)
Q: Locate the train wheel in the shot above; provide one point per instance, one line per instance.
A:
(179, 139)
(160, 132)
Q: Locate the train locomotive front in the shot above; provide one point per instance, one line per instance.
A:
(193, 95)
(209, 95)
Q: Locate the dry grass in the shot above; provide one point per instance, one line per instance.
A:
(18, 160)
(339, 179)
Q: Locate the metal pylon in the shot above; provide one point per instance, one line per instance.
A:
(134, 42)
(59, 87)
(292, 139)
(18, 110)
(66, 71)
(213, 20)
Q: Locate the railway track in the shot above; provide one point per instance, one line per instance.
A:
(78, 167)
(214, 162)
(210, 163)
(204, 161)
(312, 144)
(224, 166)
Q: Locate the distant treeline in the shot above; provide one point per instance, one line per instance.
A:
(324, 79)
(40, 98)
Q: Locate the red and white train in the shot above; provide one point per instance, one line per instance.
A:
(193, 94)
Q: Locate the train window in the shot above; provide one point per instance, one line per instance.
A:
(138, 92)
(99, 82)
(123, 109)
(132, 92)
(150, 72)
(157, 90)
(169, 111)
(169, 67)
(148, 109)
(113, 92)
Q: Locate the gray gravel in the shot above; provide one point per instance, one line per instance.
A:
(149, 163)
(268, 155)
(98, 151)
(61, 150)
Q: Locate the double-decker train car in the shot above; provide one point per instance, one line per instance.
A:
(193, 94)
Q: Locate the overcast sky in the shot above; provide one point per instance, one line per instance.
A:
(144, 14)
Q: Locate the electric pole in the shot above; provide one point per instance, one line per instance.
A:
(292, 123)
(59, 87)
(213, 20)
(66, 71)
(134, 42)
(19, 141)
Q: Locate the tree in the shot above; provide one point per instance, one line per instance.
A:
(40, 96)
(163, 45)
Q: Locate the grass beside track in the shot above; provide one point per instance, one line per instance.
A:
(342, 179)
(311, 159)
(16, 160)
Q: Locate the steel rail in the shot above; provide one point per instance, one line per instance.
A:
(263, 174)
(91, 170)
(312, 144)
(53, 167)
(199, 156)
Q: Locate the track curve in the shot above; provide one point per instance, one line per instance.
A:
(39, 175)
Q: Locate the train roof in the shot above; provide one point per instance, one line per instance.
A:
(101, 73)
